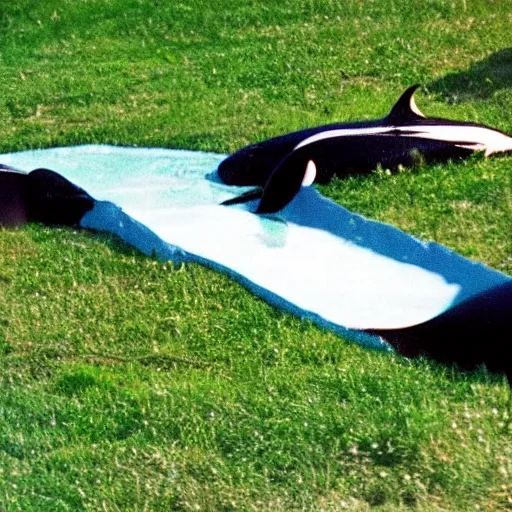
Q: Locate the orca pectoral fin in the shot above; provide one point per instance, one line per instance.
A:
(52, 199)
(405, 110)
(284, 183)
(244, 198)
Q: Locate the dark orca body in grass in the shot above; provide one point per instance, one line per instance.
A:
(404, 137)
(40, 196)
(473, 333)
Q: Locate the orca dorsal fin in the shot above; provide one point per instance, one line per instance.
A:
(405, 109)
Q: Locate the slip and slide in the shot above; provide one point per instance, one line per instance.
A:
(361, 278)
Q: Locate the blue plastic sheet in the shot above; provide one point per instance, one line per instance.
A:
(314, 259)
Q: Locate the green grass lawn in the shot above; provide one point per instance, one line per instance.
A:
(132, 384)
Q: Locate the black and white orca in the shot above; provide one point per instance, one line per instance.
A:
(404, 137)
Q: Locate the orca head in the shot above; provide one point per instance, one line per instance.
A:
(251, 165)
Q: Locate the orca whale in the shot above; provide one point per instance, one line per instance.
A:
(404, 137)
(40, 196)
(472, 334)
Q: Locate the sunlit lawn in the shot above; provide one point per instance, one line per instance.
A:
(133, 384)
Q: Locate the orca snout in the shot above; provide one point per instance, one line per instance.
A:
(242, 168)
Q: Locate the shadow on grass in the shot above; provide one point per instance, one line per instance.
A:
(116, 244)
(480, 81)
